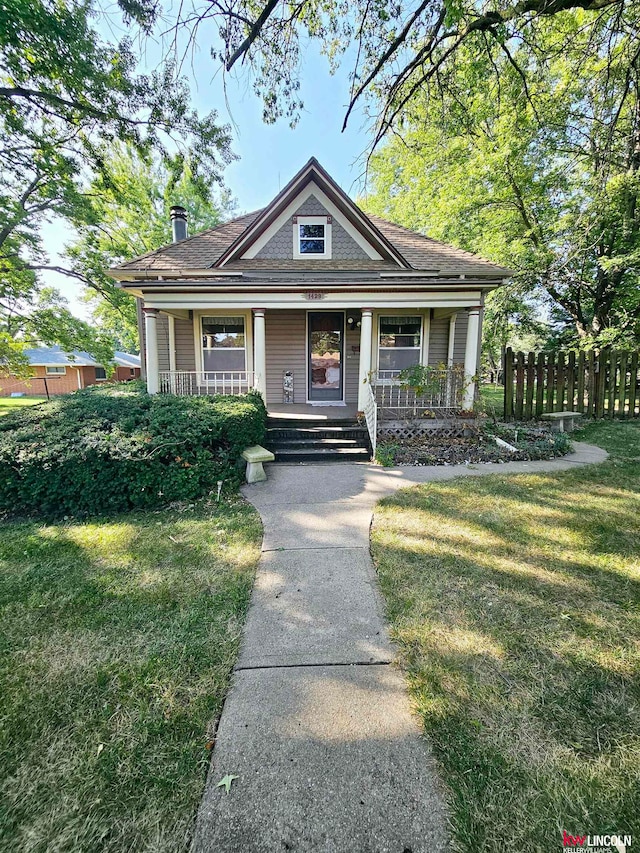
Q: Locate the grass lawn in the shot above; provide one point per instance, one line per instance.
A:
(492, 399)
(515, 604)
(9, 404)
(117, 643)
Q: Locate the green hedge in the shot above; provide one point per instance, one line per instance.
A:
(110, 449)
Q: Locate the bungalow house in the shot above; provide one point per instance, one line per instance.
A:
(57, 372)
(306, 300)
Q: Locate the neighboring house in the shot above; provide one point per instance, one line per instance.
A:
(58, 372)
(309, 286)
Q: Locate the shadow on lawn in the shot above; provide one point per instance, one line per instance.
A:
(515, 607)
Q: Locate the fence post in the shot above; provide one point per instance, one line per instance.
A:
(561, 382)
(551, 375)
(592, 391)
(580, 403)
(540, 385)
(519, 385)
(601, 370)
(508, 383)
(633, 385)
(571, 382)
(528, 407)
(611, 395)
(622, 386)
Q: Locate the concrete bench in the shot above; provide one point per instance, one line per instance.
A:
(255, 456)
(558, 420)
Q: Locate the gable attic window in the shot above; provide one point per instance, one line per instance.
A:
(223, 344)
(311, 236)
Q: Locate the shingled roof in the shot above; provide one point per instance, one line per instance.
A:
(398, 247)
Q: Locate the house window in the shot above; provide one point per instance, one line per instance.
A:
(311, 237)
(101, 374)
(55, 371)
(399, 342)
(223, 344)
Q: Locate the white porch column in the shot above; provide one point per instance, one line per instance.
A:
(471, 356)
(452, 339)
(366, 330)
(260, 352)
(151, 350)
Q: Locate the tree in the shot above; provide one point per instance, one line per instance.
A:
(131, 216)
(538, 170)
(396, 51)
(65, 94)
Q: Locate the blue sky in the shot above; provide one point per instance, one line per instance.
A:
(269, 154)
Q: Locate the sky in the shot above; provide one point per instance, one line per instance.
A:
(269, 155)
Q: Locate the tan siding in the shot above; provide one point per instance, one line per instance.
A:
(438, 341)
(352, 364)
(460, 341)
(163, 341)
(185, 346)
(286, 350)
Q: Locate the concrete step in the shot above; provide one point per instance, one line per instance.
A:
(309, 423)
(323, 454)
(305, 443)
(351, 432)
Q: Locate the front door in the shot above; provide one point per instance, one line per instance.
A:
(325, 347)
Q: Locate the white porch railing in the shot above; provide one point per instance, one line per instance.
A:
(371, 417)
(192, 382)
(440, 396)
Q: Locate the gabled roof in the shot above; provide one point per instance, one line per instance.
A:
(55, 357)
(221, 248)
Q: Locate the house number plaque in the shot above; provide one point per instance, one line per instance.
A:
(314, 294)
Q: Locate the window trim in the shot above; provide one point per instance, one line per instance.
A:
(55, 370)
(312, 220)
(198, 317)
(101, 378)
(419, 348)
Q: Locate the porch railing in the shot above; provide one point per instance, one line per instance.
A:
(193, 382)
(371, 418)
(440, 396)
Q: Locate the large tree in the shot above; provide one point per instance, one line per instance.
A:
(395, 51)
(65, 94)
(131, 216)
(532, 157)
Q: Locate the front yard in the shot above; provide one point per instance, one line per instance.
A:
(118, 639)
(10, 404)
(515, 604)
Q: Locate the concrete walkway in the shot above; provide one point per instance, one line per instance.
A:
(317, 725)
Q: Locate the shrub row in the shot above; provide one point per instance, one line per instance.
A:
(106, 450)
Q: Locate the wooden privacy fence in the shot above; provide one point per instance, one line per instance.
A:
(604, 384)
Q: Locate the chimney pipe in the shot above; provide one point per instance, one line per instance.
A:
(178, 223)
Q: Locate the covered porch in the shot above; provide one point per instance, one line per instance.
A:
(305, 361)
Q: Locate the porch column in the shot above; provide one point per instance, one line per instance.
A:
(471, 356)
(151, 352)
(259, 352)
(366, 329)
(452, 339)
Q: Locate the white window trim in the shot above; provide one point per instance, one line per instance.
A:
(390, 313)
(102, 378)
(58, 370)
(197, 338)
(311, 220)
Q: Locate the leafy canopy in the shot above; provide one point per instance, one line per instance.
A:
(532, 159)
(66, 94)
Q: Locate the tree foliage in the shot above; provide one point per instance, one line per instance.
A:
(65, 95)
(532, 158)
(130, 215)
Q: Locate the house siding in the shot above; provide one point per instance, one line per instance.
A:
(343, 247)
(185, 346)
(162, 325)
(286, 350)
(460, 340)
(438, 341)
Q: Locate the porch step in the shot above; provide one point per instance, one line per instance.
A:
(319, 454)
(317, 440)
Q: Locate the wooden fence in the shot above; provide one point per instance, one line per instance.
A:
(601, 385)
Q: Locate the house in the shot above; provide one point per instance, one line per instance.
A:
(57, 372)
(308, 300)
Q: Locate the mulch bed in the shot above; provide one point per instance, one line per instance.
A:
(480, 448)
